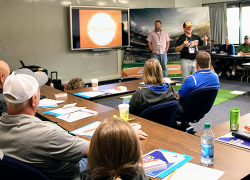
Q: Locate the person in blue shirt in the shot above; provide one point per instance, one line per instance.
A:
(224, 64)
(203, 77)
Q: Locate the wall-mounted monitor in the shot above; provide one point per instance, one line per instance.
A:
(94, 27)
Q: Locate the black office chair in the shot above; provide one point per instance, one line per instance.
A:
(12, 169)
(195, 106)
(162, 113)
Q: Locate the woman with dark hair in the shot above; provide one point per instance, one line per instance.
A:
(114, 153)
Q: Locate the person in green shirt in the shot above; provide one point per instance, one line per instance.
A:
(243, 49)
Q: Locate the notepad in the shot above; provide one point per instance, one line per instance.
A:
(190, 171)
(87, 130)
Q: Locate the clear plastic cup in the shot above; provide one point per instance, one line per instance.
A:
(124, 111)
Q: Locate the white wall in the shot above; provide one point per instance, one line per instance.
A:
(37, 32)
(217, 1)
(186, 3)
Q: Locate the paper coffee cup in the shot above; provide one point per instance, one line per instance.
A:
(94, 83)
(124, 111)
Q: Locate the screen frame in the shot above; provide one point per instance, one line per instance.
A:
(97, 8)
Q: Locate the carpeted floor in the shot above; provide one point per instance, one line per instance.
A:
(219, 113)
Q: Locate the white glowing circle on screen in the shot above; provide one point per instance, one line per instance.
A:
(101, 28)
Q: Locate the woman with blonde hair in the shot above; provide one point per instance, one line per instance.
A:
(114, 153)
(76, 83)
(155, 90)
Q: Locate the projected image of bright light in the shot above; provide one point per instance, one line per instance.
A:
(101, 29)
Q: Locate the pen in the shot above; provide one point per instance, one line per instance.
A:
(172, 174)
(89, 130)
(68, 116)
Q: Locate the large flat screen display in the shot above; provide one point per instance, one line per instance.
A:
(98, 27)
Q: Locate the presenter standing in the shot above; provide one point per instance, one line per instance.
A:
(158, 43)
(187, 44)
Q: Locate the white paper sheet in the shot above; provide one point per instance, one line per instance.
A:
(77, 115)
(87, 130)
(49, 102)
(63, 111)
(190, 171)
(238, 92)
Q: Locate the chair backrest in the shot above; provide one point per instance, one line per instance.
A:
(200, 101)
(162, 113)
(12, 169)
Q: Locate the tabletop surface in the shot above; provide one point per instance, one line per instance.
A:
(224, 128)
(131, 86)
(234, 162)
(50, 92)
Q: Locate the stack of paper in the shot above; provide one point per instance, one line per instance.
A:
(49, 103)
(89, 94)
(71, 113)
(154, 165)
(87, 130)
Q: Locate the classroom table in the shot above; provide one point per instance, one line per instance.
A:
(243, 58)
(224, 128)
(234, 162)
(224, 56)
(49, 93)
(132, 86)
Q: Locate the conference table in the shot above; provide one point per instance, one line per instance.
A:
(132, 86)
(50, 92)
(224, 128)
(232, 161)
(225, 56)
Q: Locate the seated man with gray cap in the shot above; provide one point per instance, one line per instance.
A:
(42, 144)
(243, 49)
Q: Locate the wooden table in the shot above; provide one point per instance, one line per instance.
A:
(49, 93)
(224, 128)
(132, 86)
(234, 162)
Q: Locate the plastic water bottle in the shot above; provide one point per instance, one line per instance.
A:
(207, 146)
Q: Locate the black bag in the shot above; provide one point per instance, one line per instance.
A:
(57, 82)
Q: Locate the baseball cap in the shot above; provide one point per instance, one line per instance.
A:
(187, 24)
(247, 37)
(22, 84)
